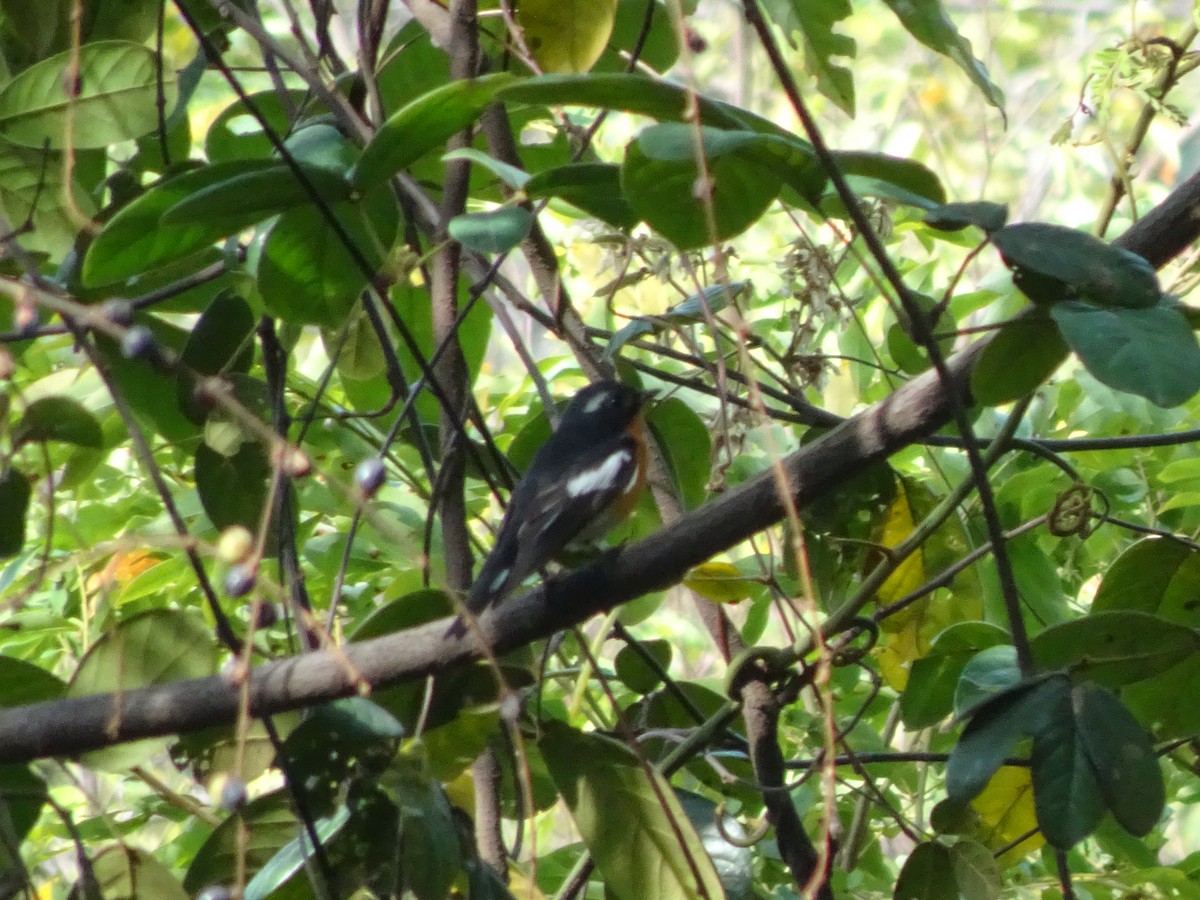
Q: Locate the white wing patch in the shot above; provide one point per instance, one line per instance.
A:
(600, 477)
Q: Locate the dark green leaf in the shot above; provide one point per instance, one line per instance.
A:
(22, 796)
(1115, 647)
(58, 419)
(255, 195)
(927, 21)
(268, 822)
(512, 176)
(660, 48)
(1066, 794)
(593, 187)
(424, 125)
(1151, 352)
(913, 182)
(1022, 355)
(292, 856)
(1050, 263)
(135, 241)
(661, 185)
(927, 874)
(1124, 760)
(494, 231)
(734, 862)
(990, 672)
(1143, 575)
(307, 275)
(22, 682)
(982, 214)
(14, 505)
(637, 674)
(631, 825)
(118, 86)
(928, 696)
(994, 730)
(431, 855)
(233, 489)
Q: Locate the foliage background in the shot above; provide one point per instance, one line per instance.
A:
(155, 522)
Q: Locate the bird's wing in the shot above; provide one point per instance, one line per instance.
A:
(559, 510)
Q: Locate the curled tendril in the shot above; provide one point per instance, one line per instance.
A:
(749, 838)
(772, 660)
(1073, 511)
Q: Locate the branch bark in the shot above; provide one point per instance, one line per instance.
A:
(916, 410)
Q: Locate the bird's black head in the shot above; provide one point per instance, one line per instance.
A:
(602, 409)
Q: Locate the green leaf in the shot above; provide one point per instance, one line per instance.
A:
(494, 231)
(892, 177)
(815, 21)
(927, 21)
(1022, 355)
(566, 35)
(1066, 793)
(695, 309)
(22, 796)
(659, 48)
(134, 874)
(136, 241)
(990, 672)
(269, 823)
(58, 419)
(255, 195)
(629, 818)
(233, 489)
(976, 871)
(292, 856)
(927, 874)
(22, 682)
(633, 670)
(14, 505)
(1115, 647)
(512, 176)
(1144, 574)
(734, 862)
(116, 92)
(994, 730)
(594, 188)
(983, 214)
(928, 697)
(424, 125)
(153, 647)
(661, 184)
(687, 447)
(306, 275)
(222, 341)
(1151, 352)
(431, 854)
(1051, 263)
(1124, 760)
(32, 188)
(237, 134)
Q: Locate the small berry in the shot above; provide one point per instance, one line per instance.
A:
(119, 312)
(235, 544)
(239, 580)
(266, 615)
(233, 794)
(369, 476)
(139, 343)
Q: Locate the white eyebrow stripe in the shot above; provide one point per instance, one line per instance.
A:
(600, 477)
(595, 403)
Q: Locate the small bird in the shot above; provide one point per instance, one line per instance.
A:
(580, 484)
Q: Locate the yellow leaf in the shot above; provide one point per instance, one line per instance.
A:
(719, 582)
(566, 35)
(1005, 809)
(910, 574)
(121, 569)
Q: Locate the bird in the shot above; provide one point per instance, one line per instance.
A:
(580, 484)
